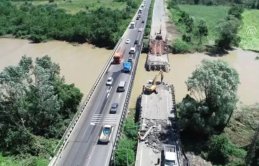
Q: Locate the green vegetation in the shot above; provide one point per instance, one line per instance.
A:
(213, 15)
(35, 107)
(210, 14)
(180, 46)
(126, 149)
(247, 3)
(197, 23)
(249, 33)
(208, 105)
(213, 126)
(221, 151)
(75, 6)
(228, 29)
(101, 26)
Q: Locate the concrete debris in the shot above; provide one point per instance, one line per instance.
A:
(161, 134)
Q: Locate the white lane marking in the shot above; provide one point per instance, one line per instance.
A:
(110, 119)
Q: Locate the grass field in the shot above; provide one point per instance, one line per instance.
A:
(211, 14)
(74, 6)
(250, 31)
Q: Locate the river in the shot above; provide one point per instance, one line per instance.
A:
(182, 65)
(81, 65)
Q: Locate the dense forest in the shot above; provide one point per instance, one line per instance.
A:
(102, 26)
(35, 105)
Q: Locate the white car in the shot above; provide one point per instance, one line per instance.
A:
(127, 41)
(109, 81)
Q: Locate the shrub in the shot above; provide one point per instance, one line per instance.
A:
(180, 46)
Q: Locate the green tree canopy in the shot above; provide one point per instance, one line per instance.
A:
(202, 30)
(213, 97)
(34, 100)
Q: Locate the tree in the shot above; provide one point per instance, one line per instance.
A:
(218, 149)
(213, 97)
(34, 100)
(222, 151)
(236, 11)
(125, 152)
(202, 30)
(228, 36)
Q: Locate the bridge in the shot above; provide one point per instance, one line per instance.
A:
(79, 145)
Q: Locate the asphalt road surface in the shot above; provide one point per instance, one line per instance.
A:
(82, 148)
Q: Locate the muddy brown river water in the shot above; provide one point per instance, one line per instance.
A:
(182, 66)
(82, 64)
(79, 64)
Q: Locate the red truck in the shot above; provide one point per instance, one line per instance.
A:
(118, 56)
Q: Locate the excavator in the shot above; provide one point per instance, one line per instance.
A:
(151, 86)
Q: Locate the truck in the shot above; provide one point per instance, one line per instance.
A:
(170, 155)
(105, 134)
(118, 56)
(127, 66)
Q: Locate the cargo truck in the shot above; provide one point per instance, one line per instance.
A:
(118, 56)
(127, 66)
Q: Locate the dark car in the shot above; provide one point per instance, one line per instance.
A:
(143, 21)
(114, 108)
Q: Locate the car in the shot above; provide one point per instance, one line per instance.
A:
(143, 21)
(114, 108)
(109, 81)
(127, 41)
(140, 29)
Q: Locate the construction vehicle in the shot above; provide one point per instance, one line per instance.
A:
(118, 56)
(127, 66)
(105, 134)
(170, 155)
(151, 85)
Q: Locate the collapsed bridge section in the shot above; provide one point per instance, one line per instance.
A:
(157, 58)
